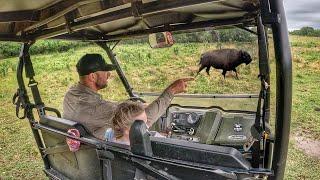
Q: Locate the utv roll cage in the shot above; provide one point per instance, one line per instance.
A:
(106, 22)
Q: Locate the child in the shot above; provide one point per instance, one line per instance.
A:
(125, 114)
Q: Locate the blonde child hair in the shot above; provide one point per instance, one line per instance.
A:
(123, 117)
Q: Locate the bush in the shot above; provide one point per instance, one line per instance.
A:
(10, 49)
(307, 31)
(224, 35)
(235, 35)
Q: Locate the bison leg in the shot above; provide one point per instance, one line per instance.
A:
(200, 69)
(224, 73)
(236, 73)
(208, 69)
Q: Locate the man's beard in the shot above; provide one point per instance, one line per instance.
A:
(101, 85)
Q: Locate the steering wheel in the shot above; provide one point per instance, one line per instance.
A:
(137, 99)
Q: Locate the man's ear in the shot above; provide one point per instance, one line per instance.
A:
(92, 77)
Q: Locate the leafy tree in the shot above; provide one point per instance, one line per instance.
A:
(308, 31)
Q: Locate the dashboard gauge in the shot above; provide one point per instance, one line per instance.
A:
(192, 118)
(191, 131)
(186, 119)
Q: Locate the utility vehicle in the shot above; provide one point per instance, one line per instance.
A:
(208, 141)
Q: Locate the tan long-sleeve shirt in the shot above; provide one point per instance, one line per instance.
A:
(83, 105)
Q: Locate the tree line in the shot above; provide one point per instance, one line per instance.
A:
(10, 49)
(306, 31)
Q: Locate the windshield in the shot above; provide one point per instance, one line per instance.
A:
(152, 70)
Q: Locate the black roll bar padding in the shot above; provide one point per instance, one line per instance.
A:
(115, 44)
(284, 89)
(140, 139)
(24, 53)
(119, 71)
(23, 50)
(264, 67)
(27, 62)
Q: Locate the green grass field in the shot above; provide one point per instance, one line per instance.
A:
(152, 70)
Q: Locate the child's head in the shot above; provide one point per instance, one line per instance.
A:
(125, 115)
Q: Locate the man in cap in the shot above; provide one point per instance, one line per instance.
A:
(83, 104)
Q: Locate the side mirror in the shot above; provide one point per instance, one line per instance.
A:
(161, 40)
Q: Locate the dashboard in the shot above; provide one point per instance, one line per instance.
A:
(207, 125)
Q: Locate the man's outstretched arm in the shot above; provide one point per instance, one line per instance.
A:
(159, 106)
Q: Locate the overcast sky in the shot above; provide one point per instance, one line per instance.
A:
(302, 13)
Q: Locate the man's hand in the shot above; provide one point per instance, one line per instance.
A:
(179, 85)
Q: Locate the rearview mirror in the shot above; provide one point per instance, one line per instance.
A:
(161, 40)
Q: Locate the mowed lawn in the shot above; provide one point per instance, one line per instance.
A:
(152, 70)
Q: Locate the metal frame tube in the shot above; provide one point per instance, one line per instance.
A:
(84, 140)
(264, 63)
(114, 61)
(247, 29)
(284, 89)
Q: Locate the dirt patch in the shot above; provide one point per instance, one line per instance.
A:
(309, 146)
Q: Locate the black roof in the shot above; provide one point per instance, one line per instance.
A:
(26, 20)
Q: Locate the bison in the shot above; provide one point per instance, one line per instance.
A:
(225, 59)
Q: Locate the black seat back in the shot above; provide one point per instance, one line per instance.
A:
(140, 139)
(199, 153)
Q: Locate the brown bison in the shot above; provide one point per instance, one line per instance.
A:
(225, 59)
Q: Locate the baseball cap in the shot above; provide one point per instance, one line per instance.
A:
(90, 63)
